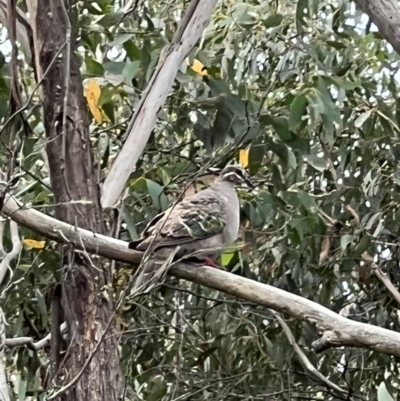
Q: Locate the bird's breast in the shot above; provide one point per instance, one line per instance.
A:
(232, 220)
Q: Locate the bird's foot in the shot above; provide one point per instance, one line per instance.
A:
(212, 263)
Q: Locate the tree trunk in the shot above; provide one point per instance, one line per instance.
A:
(87, 310)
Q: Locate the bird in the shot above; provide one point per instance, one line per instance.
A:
(201, 227)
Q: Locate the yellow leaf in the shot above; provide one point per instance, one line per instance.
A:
(34, 244)
(198, 67)
(244, 157)
(92, 94)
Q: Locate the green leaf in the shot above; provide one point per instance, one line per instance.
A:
(158, 393)
(362, 118)
(222, 127)
(120, 39)
(227, 256)
(108, 109)
(115, 67)
(286, 156)
(130, 224)
(41, 306)
(130, 70)
(256, 155)
(383, 394)
(156, 193)
(308, 201)
(301, 13)
(2, 60)
(273, 21)
(336, 45)
(138, 185)
(329, 114)
(236, 105)
(22, 389)
(93, 68)
(297, 110)
(362, 246)
(204, 355)
(133, 52)
(111, 19)
(107, 93)
(345, 240)
(280, 125)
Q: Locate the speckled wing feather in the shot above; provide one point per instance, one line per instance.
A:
(191, 220)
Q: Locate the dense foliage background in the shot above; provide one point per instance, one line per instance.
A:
(305, 96)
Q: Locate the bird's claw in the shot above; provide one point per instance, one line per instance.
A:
(210, 262)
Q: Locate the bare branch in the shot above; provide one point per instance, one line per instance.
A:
(371, 265)
(337, 330)
(303, 358)
(139, 129)
(16, 249)
(2, 227)
(4, 394)
(386, 282)
(28, 341)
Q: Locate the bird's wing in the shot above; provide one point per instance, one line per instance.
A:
(193, 219)
(146, 232)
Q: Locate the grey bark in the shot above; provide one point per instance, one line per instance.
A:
(86, 310)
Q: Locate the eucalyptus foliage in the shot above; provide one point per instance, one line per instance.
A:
(305, 95)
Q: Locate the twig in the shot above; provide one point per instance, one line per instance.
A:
(2, 227)
(28, 341)
(367, 258)
(5, 395)
(386, 282)
(303, 358)
(17, 245)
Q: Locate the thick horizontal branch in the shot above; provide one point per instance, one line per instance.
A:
(336, 330)
(62, 232)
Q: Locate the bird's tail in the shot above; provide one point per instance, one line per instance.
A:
(152, 273)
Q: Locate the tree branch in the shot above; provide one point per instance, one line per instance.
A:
(28, 341)
(303, 357)
(336, 330)
(142, 122)
(386, 282)
(385, 14)
(16, 249)
(4, 266)
(5, 395)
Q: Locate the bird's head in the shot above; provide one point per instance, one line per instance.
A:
(235, 175)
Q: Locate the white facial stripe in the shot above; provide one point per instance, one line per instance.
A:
(233, 173)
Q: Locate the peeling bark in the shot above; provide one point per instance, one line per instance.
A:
(87, 311)
(385, 14)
